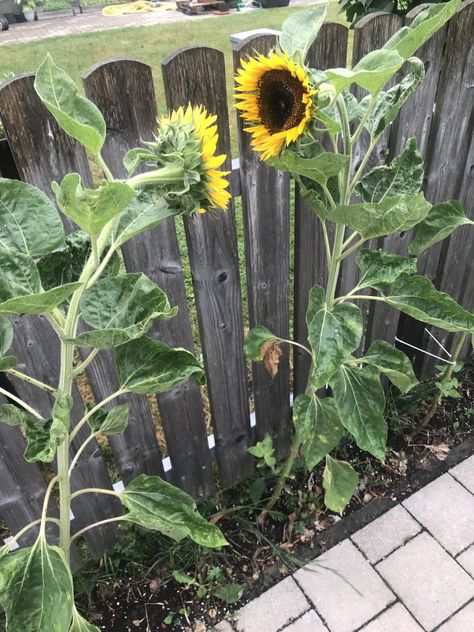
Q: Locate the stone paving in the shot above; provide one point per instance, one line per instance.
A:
(410, 570)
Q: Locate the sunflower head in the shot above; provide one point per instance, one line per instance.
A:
(188, 138)
(276, 98)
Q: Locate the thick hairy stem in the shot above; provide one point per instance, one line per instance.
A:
(437, 400)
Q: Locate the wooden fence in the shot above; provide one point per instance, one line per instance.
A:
(441, 116)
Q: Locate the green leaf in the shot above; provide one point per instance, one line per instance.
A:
(318, 426)
(9, 362)
(65, 264)
(229, 593)
(376, 219)
(146, 210)
(340, 482)
(39, 593)
(393, 362)
(403, 176)
(79, 624)
(183, 578)
(91, 209)
(134, 157)
(112, 423)
(320, 168)
(389, 103)
(360, 402)
(255, 341)
(20, 286)
(300, 30)
(264, 450)
(120, 309)
(333, 335)
(417, 297)
(371, 73)
(148, 366)
(6, 335)
(409, 38)
(43, 436)
(29, 223)
(77, 116)
(159, 506)
(440, 222)
(379, 268)
(12, 415)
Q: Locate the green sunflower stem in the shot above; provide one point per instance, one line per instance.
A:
(165, 175)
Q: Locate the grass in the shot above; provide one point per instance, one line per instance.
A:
(149, 44)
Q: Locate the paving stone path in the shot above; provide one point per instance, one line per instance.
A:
(410, 570)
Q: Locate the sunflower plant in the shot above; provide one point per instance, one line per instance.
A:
(75, 282)
(293, 114)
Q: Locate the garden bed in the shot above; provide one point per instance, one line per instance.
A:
(134, 588)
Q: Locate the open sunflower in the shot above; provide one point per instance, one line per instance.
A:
(275, 96)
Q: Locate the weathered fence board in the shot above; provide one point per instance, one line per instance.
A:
(328, 51)
(266, 214)
(384, 320)
(124, 91)
(196, 75)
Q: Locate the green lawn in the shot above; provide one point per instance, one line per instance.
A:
(150, 44)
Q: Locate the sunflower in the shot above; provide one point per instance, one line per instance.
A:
(192, 133)
(276, 98)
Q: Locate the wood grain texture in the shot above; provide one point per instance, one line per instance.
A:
(328, 51)
(124, 91)
(43, 153)
(266, 214)
(450, 165)
(197, 75)
(414, 120)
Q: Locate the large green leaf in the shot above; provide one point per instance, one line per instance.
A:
(145, 211)
(417, 296)
(333, 335)
(393, 362)
(371, 73)
(339, 481)
(379, 268)
(318, 426)
(20, 286)
(392, 215)
(440, 222)
(320, 168)
(65, 264)
(12, 415)
(29, 223)
(300, 30)
(113, 422)
(409, 38)
(38, 594)
(43, 436)
(389, 103)
(91, 209)
(120, 309)
(360, 402)
(79, 624)
(6, 335)
(157, 505)
(78, 116)
(148, 366)
(255, 341)
(403, 176)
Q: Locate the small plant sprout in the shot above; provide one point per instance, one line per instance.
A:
(288, 108)
(36, 583)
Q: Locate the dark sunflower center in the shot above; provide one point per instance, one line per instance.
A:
(280, 100)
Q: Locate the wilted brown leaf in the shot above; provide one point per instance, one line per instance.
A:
(440, 451)
(271, 354)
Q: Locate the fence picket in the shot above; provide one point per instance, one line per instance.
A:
(128, 86)
(328, 51)
(197, 75)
